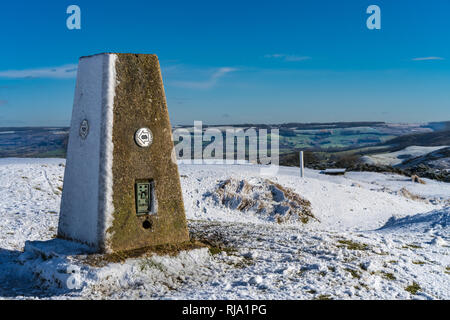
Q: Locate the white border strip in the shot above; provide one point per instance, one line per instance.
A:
(107, 147)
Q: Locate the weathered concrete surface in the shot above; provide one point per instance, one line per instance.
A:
(140, 102)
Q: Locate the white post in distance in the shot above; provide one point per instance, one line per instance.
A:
(302, 170)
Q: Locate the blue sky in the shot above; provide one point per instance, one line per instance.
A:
(237, 61)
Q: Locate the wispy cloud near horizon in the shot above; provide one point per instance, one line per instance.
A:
(205, 84)
(427, 58)
(62, 72)
(286, 57)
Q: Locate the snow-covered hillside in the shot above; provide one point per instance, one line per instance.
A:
(373, 236)
(397, 157)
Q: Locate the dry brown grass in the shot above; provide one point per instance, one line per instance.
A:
(407, 194)
(264, 197)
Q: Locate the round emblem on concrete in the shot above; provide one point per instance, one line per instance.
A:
(84, 129)
(143, 137)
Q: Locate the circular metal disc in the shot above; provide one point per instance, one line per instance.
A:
(143, 137)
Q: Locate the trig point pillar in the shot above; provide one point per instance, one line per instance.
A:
(121, 188)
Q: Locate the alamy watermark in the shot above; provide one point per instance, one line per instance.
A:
(229, 145)
(374, 20)
(73, 281)
(73, 22)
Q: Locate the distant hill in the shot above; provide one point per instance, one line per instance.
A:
(439, 126)
(359, 137)
(36, 142)
(439, 159)
(303, 126)
(429, 139)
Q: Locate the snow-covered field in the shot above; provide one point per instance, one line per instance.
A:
(396, 158)
(375, 236)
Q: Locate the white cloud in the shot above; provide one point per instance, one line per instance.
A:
(62, 72)
(286, 57)
(427, 58)
(205, 84)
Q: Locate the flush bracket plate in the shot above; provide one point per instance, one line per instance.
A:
(145, 197)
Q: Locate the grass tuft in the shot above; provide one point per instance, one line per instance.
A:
(413, 288)
(388, 275)
(352, 245)
(324, 297)
(411, 246)
(355, 274)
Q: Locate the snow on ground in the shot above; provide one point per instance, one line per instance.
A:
(395, 158)
(356, 201)
(372, 241)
